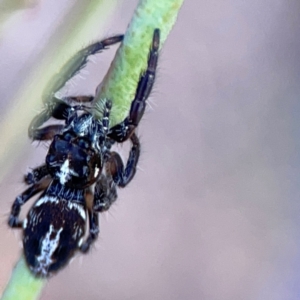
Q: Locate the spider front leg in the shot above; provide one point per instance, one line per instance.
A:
(122, 131)
(105, 193)
(57, 108)
(13, 220)
(36, 174)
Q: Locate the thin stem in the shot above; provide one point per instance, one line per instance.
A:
(119, 85)
(22, 284)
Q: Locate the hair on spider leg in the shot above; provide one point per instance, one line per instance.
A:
(110, 213)
(3, 217)
(79, 259)
(85, 72)
(82, 77)
(44, 144)
(59, 95)
(94, 45)
(72, 83)
(140, 169)
(149, 106)
(151, 100)
(93, 60)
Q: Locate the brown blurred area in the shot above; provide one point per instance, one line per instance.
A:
(213, 213)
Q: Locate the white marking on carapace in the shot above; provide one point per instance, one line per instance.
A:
(64, 174)
(48, 247)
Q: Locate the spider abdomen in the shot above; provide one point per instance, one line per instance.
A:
(53, 231)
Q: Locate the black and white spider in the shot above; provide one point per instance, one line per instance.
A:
(80, 175)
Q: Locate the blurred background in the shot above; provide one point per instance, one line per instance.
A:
(213, 212)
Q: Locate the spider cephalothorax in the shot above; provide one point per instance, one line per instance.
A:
(76, 155)
(79, 165)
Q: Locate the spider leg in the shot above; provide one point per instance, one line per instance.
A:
(93, 222)
(36, 174)
(78, 62)
(120, 175)
(93, 231)
(57, 108)
(105, 122)
(105, 193)
(13, 220)
(105, 190)
(122, 131)
(46, 133)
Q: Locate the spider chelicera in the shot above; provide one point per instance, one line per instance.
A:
(80, 176)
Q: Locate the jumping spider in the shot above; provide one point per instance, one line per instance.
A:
(79, 166)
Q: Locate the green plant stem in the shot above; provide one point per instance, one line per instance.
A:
(119, 85)
(22, 284)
